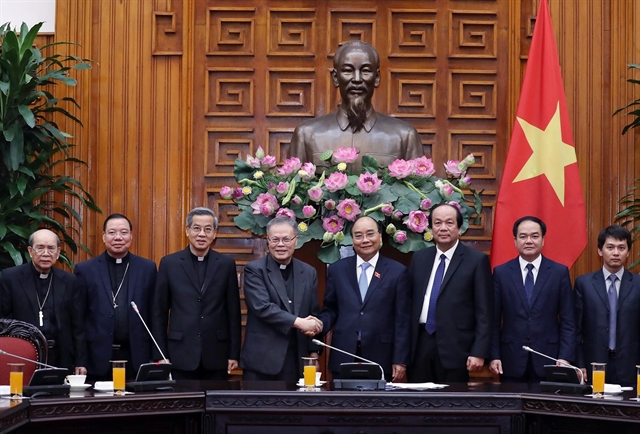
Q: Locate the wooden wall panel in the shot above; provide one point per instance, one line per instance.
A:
(134, 110)
(158, 142)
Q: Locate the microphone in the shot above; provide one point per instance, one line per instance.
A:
(4, 353)
(317, 342)
(526, 348)
(135, 308)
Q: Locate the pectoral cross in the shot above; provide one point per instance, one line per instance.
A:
(41, 318)
(115, 306)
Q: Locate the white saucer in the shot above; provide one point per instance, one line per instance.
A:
(5, 390)
(103, 386)
(80, 387)
(301, 383)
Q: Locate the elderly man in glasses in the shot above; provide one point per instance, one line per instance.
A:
(282, 302)
(46, 296)
(196, 305)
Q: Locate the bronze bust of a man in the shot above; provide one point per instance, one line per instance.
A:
(356, 71)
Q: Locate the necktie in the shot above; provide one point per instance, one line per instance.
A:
(528, 283)
(363, 283)
(613, 310)
(430, 325)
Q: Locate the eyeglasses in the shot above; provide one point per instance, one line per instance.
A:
(197, 229)
(41, 249)
(286, 240)
(123, 233)
(360, 236)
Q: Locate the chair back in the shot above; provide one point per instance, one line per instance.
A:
(24, 340)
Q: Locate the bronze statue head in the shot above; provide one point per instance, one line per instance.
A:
(356, 71)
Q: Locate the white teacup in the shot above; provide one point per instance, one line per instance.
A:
(318, 374)
(76, 380)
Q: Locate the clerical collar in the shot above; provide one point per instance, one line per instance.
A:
(281, 266)
(40, 275)
(123, 260)
(343, 119)
(199, 258)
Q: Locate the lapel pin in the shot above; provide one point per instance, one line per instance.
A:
(377, 274)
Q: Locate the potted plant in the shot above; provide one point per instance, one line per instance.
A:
(33, 194)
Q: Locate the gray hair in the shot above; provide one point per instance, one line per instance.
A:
(202, 211)
(33, 235)
(356, 43)
(283, 220)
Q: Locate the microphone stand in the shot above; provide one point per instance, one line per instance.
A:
(4, 353)
(578, 370)
(358, 384)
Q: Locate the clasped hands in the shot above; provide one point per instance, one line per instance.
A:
(310, 325)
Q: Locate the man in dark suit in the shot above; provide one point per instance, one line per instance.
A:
(452, 304)
(608, 311)
(45, 296)
(366, 303)
(282, 295)
(110, 282)
(196, 305)
(533, 307)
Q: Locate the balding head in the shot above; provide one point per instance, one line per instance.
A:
(44, 249)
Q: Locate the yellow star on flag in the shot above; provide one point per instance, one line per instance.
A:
(550, 154)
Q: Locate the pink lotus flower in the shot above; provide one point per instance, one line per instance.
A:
(296, 200)
(455, 204)
(423, 167)
(336, 181)
(400, 168)
(400, 237)
(387, 209)
(330, 204)
(260, 153)
(348, 209)
(416, 221)
(226, 192)
(452, 168)
(308, 211)
(369, 183)
(266, 204)
(397, 215)
(290, 165)
(469, 160)
(286, 212)
(268, 162)
(333, 224)
(237, 193)
(282, 188)
(310, 169)
(425, 204)
(315, 194)
(253, 162)
(447, 190)
(465, 181)
(345, 155)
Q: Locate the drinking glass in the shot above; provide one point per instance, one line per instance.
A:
(309, 364)
(16, 371)
(597, 378)
(119, 375)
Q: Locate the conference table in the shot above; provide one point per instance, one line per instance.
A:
(237, 407)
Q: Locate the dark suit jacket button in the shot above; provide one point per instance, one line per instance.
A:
(361, 313)
(198, 334)
(110, 315)
(529, 319)
(201, 316)
(199, 300)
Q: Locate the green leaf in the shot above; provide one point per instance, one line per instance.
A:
(369, 164)
(247, 221)
(15, 254)
(329, 254)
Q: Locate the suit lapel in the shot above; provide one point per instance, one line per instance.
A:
(515, 274)
(103, 272)
(275, 277)
(625, 288)
(380, 270)
(29, 287)
(352, 276)
(299, 285)
(456, 260)
(59, 289)
(212, 266)
(187, 265)
(600, 288)
(132, 281)
(543, 275)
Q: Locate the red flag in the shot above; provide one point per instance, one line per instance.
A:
(541, 176)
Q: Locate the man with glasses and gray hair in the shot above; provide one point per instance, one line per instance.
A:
(196, 305)
(46, 296)
(282, 302)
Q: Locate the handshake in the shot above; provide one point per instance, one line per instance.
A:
(310, 325)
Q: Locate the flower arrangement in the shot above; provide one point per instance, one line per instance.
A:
(399, 196)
